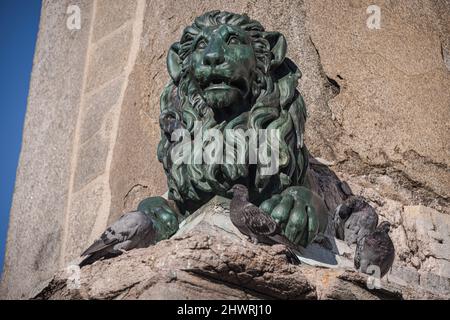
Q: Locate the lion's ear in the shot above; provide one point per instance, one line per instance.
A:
(278, 47)
(174, 62)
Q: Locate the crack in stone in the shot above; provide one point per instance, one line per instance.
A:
(138, 185)
(333, 87)
(390, 168)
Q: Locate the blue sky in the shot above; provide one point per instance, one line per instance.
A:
(19, 21)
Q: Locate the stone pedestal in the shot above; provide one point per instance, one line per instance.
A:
(210, 259)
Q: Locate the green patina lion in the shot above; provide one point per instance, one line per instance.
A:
(229, 73)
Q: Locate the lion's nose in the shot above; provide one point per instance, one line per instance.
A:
(213, 57)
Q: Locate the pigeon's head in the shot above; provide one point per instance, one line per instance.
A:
(343, 211)
(385, 226)
(239, 190)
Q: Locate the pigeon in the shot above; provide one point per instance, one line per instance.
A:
(133, 230)
(354, 219)
(257, 225)
(375, 249)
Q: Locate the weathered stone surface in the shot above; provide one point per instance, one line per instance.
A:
(446, 56)
(110, 15)
(206, 261)
(428, 238)
(109, 57)
(86, 205)
(392, 110)
(429, 231)
(97, 105)
(91, 160)
(43, 176)
(435, 283)
(404, 275)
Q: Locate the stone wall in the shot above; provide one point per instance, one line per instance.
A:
(63, 195)
(378, 103)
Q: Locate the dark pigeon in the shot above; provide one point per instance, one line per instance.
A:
(375, 249)
(354, 219)
(133, 230)
(254, 223)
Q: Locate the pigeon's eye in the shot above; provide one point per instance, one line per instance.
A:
(201, 44)
(234, 40)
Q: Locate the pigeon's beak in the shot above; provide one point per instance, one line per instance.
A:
(230, 192)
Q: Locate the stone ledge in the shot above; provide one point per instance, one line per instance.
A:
(207, 261)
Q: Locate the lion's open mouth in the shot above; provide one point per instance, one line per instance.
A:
(217, 82)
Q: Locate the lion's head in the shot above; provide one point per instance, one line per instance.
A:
(229, 73)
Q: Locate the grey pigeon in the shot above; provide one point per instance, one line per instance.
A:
(354, 219)
(254, 223)
(133, 230)
(375, 249)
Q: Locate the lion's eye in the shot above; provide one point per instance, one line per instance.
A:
(201, 44)
(233, 40)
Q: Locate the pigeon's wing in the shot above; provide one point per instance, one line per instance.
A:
(389, 260)
(381, 244)
(368, 221)
(338, 224)
(357, 258)
(258, 222)
(377, 250)
(262, 224)
(123, 229)
(375, 241)
(360, 224)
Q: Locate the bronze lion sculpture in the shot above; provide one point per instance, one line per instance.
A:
(228, 74)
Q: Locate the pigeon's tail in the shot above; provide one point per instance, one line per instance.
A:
(281, 239)
(90, 259)
(291, 248)
(292, 257)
